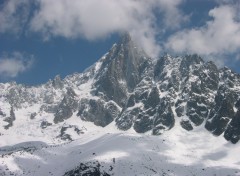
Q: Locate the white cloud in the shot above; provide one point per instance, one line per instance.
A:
(11, 65)
(94, 19)
(172, 17)
(14, 15)
(146, 21)
(217, 37)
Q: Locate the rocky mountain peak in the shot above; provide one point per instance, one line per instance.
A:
(121, 70)
(125, 39)
(127, 88)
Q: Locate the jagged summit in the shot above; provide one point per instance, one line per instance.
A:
(87, 123)
(125, 38)
(129, 90)
(121, 71)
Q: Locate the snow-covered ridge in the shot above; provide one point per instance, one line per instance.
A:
(126, 115)
(130, 90)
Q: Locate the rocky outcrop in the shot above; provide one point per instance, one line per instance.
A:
(67, 106)
(67, 137)
(100, 112)
(232, 132)
(45, 124)
(121, 70)
(183, 87)
(10, 119)
(89, 168)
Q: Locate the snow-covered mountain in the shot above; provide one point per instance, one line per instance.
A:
(181, 100)
(132, 90)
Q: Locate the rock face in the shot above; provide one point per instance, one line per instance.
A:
(232, 132)
(66, 107)
(45, 124)
(100, 112)
(132, 90)
(10, 119)
(121, 71)
(89, 168)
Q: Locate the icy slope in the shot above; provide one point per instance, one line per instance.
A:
(175, 153)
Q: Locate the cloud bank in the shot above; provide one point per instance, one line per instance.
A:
(157, 25)
(94, 19)
(11, 65)
(218, 36)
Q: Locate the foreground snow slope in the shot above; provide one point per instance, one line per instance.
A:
(176, 152)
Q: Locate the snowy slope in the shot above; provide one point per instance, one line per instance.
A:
(175, 153)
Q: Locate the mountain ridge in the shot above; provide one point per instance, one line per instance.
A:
(128, 88)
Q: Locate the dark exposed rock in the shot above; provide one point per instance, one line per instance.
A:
(164, 118)
(210, 77)
(45, 124)
(131, 101)
(87, 169)
(67, 106)
(219, 117)
(186, 125)
(196, 112)
(98, 111)
(10, 119)
(153, 98)
(67, 137)
(190, 86)
(121, 71)
(143, 123)
(2, 113)
(237, 105)
(33, 115)
(187, 62)
(232, 132)
(126, 118)
(179, 108)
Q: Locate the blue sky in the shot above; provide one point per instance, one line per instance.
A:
(40, 39)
